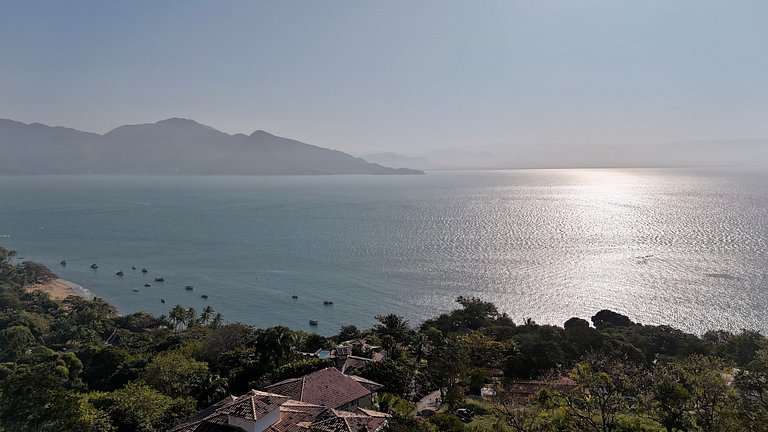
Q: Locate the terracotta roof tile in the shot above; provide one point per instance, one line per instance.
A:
(252, 405)
(353, 363)
(327, 387)
(295, 416)
(351, 423)
(370, 385)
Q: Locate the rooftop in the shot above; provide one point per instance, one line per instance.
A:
(328, 387)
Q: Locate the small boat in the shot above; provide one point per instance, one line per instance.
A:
(63, 262)
(133, 267)
(147, 285)
(294, 296)
(144, 270)
(119, 273)
(94, 266)
(159, 279)
(327, 302)
(204, 296)
(135, 290)
(313, 322)
(162, 300)
(189, 287)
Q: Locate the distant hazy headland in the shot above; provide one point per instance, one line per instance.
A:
(173, 146)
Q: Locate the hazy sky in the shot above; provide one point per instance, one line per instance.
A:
(385, 75)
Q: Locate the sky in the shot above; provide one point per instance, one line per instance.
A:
(404, 76)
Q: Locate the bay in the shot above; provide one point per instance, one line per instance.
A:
(687, 248)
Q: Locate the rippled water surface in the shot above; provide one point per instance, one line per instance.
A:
(688, 248)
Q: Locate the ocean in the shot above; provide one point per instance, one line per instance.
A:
(687, 248)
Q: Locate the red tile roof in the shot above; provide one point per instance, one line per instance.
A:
(327, 387)
(252, 405)
(295, 416)
(351, 422)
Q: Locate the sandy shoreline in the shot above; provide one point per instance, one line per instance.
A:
(59, 289)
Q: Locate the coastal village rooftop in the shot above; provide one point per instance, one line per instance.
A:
(259, 411)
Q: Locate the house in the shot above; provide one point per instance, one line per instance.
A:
(258, 411)
(351, 364)
(360, 420)
(329, 387)
(374, 351)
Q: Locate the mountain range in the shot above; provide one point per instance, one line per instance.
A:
(172, 146)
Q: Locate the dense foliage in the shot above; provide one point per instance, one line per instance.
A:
(79, 366)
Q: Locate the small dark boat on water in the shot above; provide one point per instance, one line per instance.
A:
(119, 273)
(144, 270)
(147, 285)
(327, 302)
(94, 266)
(313, 322)
(204, 296)
(63, 262)
(133, 267)
(294, 296)
(135, 290)
(189, 287)
(159, 279)
(162, 300)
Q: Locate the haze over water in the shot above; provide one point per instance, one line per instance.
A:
(687, 248)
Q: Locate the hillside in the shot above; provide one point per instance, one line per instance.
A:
(172, 146)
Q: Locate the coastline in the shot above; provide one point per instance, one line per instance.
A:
(60, 289)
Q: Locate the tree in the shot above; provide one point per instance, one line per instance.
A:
(139, 408)
(528, 415)
(475, 313)
(535, 353)
(177, 315)
(396, 377)
(175, 373)
(16, 340)
(447, 422)
(213, 389)
(349, 332)
(275, 344)
(670, 400)
(752, 384)
(299, 368)
(393, 331)
(607, 318)
(103, 365)
(206, 315)
(576, 323)
(217, 320)
(36, 398)
(712, 402)
(602, 391)
(448, 368)
(190, 317)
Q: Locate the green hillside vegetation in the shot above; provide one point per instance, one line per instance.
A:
(79, 366)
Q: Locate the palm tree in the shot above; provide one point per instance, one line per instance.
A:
(213, 389)
(217, 320)
(277, 344)
(177, 316)
(206, 315)
(419, 346)
(190, 317)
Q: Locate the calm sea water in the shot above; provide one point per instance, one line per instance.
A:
(687, 248)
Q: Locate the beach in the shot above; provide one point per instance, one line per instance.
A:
(60, 289)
